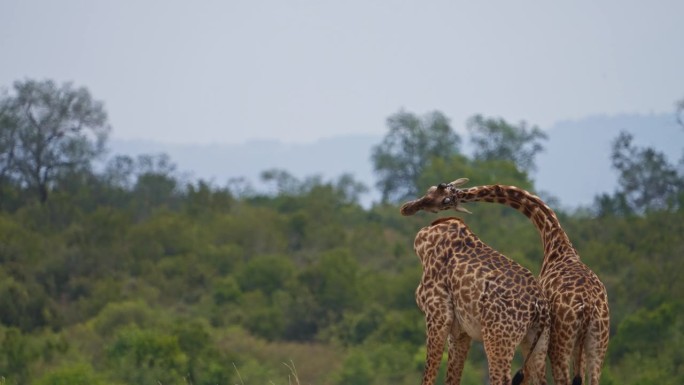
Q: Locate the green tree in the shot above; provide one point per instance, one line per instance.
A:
(24, 304)
(408, 148)
(49, 129)
(15, 355)
(156, 184)
(120, 171)
(334, 281)
(8, 137)
(23, 298)
(144, 356)
(349, 189)
(496, 139)
(376, 364)
(120, 315)
(285, 183)
(202, 199)
(261, 318)
(646, 330)
(267, 273)
(356, 369)
(194, 341)
(77, 374)
(646, 180)
(650, 341)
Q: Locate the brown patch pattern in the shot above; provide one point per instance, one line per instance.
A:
(578, 299)
(470, 291)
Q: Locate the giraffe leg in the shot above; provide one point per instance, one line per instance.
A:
(500, 352)
(459, 344)
(438, 326)
(595, 348)
(561, 347)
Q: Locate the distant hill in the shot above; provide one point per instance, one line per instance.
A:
(218, 163)
(574, 168)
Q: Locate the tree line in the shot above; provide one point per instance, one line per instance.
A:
(131, 274)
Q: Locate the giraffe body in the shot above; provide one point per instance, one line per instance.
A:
(469, 291)
(580, 321)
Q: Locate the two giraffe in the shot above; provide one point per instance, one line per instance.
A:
(578, 300)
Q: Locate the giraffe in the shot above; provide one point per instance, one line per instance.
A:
(470, 291)
(580, 320)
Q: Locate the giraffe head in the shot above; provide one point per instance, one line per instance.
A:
(437, 198)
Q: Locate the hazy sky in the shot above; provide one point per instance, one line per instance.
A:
(231, 71)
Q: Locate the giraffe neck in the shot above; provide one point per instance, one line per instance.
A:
(552, 234)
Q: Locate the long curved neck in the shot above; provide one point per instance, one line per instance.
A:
(544, 218)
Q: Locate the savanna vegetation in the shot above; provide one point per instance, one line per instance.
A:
(120, 271)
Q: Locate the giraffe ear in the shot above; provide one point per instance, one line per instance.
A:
(459, 182)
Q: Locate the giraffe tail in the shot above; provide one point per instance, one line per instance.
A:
(518, 378)
(580, 359)
(520, 374)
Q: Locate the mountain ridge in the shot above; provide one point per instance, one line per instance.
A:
(574, 167)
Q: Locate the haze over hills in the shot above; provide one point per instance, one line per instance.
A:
(574, 168)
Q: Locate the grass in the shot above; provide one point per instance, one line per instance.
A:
(292, 376)
(274, 359)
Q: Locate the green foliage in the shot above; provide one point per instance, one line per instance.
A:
(16, 355)
(147, 356)
(334, 283)
(647, 181)
(357, 369)
(48, 129)
(474, 371)
(266, 273)
(134, 277)
(203, 200)
(638, 330)
(76, 374)
(226, 290)
(407, 326)
(378, 364)
(495, 139)
(123, 314)
(261, 318)
(408, 148)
